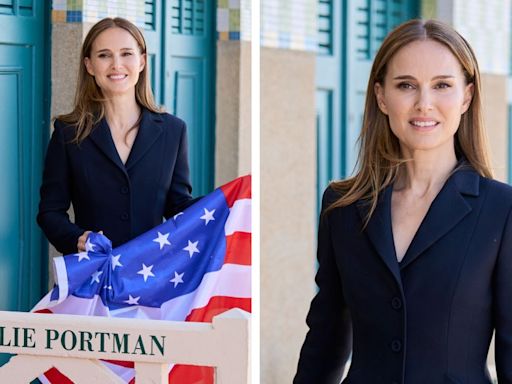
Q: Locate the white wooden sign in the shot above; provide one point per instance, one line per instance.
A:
(73, 344)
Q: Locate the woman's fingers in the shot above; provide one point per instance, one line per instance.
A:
(82, 240)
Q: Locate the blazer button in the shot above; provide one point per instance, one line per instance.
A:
(396, 345)
(124, 190)
(124, 216)
(396, 303)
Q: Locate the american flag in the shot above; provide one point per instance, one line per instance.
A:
(190, 268)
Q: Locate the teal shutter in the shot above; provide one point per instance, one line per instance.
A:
(24, 82)
(189, 81)
(368, 23)
(349, 34)
(153, 36)
(329, 108)
(24, 115)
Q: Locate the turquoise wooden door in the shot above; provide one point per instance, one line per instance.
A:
(23, 113)
(24, 118)
(349, 34)
(329, 106)
(189, 81)
(153, 35)
(368, 22)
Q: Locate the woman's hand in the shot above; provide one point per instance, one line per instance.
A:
(83, 239)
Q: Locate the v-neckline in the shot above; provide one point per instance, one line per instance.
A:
(423, 219)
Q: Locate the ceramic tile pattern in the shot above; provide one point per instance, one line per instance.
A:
(233, 16)
(78, 11)
(234, 20)
(289, 24)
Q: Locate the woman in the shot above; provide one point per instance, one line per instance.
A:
(415, 251)
(119, 160)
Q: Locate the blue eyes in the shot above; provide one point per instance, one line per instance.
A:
(406, 85)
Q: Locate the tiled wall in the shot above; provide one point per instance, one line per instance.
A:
(233, 16)
(289, 24)
(234, 20)
(486, 26)
(67, 11)
(78, 11)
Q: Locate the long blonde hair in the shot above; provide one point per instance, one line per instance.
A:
(380, 158)
(89, 106)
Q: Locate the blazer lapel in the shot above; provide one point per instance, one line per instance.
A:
(150, 128)
(380, 232)
(101, 136)
(448, 208)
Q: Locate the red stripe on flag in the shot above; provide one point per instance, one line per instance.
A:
(237, 189)
(217, 305)
(191, 374)
(55, 377)
(238, 248)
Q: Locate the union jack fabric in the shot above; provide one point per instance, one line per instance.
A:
(192, 267)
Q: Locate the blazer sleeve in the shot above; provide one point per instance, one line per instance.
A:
(503, 306)
(329, 340)
(179, 195)
(55, 196)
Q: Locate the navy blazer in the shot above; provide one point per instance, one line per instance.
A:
(122, 200)
(428, 319)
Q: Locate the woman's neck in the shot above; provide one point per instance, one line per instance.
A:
(122, 112)
(426, 172)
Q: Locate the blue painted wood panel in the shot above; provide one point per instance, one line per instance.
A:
(153, 34)
(24, 117)
(329, 85)
(368, 22)
(349, 34)
(189, 92)
(11, 191)
(24, 86)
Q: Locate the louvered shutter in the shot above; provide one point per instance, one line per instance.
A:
(190, 87)
(20, 8)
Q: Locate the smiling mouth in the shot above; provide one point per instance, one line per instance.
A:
(117, 77)
(424, 124)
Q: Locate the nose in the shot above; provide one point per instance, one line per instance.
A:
(116, 61)
(424, 101)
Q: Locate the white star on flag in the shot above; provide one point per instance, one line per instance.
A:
(191, 248)
(82, 255)
(176, 215)
(146, 272)
(178, 278)
(89, 247)
(95, 277)
(132, 300)
(208, 216)
(116, 262)
(162, 240)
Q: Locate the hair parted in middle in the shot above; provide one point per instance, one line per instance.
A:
(89, 101)
(380, 158)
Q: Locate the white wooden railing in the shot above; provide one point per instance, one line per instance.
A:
(73, 345)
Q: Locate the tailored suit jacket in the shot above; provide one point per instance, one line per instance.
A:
(428, 319)
(122, 200)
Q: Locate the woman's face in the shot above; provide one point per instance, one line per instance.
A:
(424, 95)
(115, 62)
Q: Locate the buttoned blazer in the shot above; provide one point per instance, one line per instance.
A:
(122, 200)
(428, 319)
